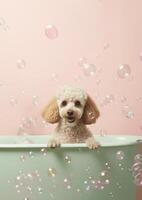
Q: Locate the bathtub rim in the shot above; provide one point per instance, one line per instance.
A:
(69, 145)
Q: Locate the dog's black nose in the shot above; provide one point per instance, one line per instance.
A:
(70, 112)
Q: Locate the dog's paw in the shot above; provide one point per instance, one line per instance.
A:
(91, 143)
(53, 143)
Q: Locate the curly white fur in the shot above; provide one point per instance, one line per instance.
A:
(71, 129)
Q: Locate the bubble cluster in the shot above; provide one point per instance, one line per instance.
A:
(108, 99)
(24, 181)
(124, 71)
(137, 170)
(99, 184)
(51, 32)
(88, 69)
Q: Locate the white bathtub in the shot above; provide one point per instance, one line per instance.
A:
(31, 171)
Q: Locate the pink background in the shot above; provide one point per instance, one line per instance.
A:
(107, 33)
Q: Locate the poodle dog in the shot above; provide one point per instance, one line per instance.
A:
(72, 109)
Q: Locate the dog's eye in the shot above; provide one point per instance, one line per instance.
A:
(77, 103)
(64, 103)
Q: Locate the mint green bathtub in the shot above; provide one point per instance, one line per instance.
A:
(30, 171)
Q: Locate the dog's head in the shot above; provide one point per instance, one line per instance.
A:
(71, 105)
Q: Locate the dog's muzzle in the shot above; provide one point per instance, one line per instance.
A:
(70, 116)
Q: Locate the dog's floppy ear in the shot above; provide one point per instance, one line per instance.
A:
(51, 112)
(91, 112)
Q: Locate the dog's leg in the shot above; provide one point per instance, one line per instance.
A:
(91, 143)
(54, 142)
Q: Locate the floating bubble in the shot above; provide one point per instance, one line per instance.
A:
(21, 64)
(18, 178)
(108, 165)
(140, 56)
(87, 188)
(138, 158)
(82, 61)
(106, 46)
(78, 190)
(44, 151)
(123, 99)
(120, 155)
(28, 122)
(138, 179)
(104, 173)
(127, 111)
(109, 98)
(35, 100)
(67, 159)
(130, 114)
(23, 158)
(51, 32)
(40, 190)
(68, 187)
(51, 172)
(13, 102)
(89, 69)
(124, 71)
(29, 189)
(31, 154)
(85, 182)
(91, 115)
(137, 167)
(107, 181)
(2, 22)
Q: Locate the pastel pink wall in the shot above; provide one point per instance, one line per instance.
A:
(107, 33)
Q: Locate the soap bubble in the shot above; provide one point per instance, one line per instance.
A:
(51, 32)
(138, 158)
(28, 122)
(51, 172)
(21, 64)
(35, 100)
(127, 111)
(2, 22)
(108, 99)
(140, 56)
(44, 151)
(13, 102)
(106, 45)
(82, 61)
(40, 190)
(120, 155)
(22, 157)
(67, 159)
(104, 173)
(91, 115)
(89, 69)
(124, 71)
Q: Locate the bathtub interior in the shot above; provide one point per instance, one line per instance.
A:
(35, 172)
